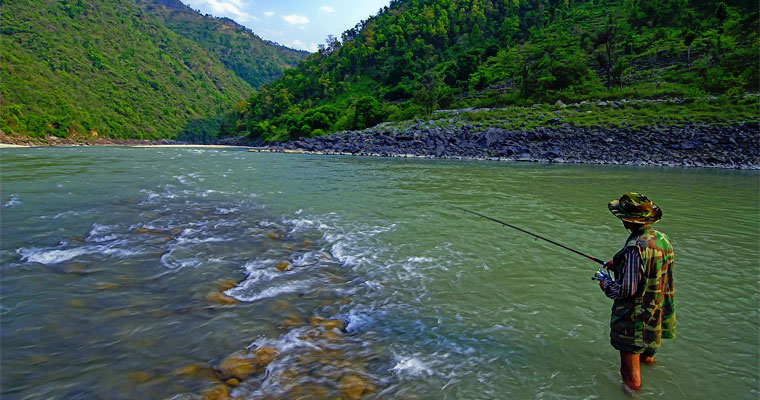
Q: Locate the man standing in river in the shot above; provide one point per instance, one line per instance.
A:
(643, 311)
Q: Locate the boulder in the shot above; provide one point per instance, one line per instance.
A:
(284, 266)
(265, 355)
(238, 365)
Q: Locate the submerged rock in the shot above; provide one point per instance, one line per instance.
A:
(220, 298)
(225, 284)
(352, 386)
(238, 365)
(77, 303)
(331, 324)
(74, 268)
(265, 355)
(293, 321)
(218, 392)
(148, 231)
(241, 364)
(139, 376)
(106, 286)
(280, 305)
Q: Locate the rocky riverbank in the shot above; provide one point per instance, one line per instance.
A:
(690, 145)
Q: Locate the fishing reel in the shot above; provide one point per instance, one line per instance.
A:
(601, 275)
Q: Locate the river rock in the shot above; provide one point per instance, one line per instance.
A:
(280, 305)
(106, 286)
(74, 268)
(77, 303)
(218, 392)
(148, 231)
(238, 365)
(225, 284)
(265, 355)
(352, 386)
(284, 266)
(220, 298)
(139, 376)
(191, 370)
(292, 321)
(331, 324)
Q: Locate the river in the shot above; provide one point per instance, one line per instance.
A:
(133, 272)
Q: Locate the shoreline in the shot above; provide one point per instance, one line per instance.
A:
(497, 159)
(689, 145)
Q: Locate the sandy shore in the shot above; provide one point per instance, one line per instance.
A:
(8, 146)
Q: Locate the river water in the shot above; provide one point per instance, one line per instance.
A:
(112, 261)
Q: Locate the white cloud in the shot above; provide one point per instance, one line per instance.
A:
(298, 44)
(326, 9)
(294, 19)
(225, 8)
(268, 13)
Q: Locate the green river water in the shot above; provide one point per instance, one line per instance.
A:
(109, 256)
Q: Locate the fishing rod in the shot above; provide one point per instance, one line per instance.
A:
(533, 234)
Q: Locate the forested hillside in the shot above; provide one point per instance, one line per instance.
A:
(251, 58)
(97, 68)
(417, 56)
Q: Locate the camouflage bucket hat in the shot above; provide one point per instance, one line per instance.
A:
(636, 208)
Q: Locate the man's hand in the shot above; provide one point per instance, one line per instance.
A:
(608, 265)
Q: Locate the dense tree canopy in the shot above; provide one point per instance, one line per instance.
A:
(416, 56)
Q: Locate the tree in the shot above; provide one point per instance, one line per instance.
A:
(688, 38)
(608, 37)
(721, 12)
(367, 112)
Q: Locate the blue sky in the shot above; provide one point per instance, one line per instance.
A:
(300, 24)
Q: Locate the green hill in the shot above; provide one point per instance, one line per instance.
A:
(251, 58)
(417, 56)
(86, 68)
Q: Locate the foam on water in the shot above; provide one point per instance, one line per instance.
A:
(410, 366)
(14, 201)
(48, 256)
(51, 256)
(101, 233)
(268, 292)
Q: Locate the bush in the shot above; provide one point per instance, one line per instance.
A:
(367, 112)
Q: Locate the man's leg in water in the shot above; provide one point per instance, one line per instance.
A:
(630, 370)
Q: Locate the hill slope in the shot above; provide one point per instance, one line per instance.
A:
(254, 60)
(417, 56)
(88, 68)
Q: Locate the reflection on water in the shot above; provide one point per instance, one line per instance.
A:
(153, 273)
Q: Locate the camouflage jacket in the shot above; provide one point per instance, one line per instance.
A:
(649, 315)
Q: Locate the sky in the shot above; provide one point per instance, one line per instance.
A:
(299, 24)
